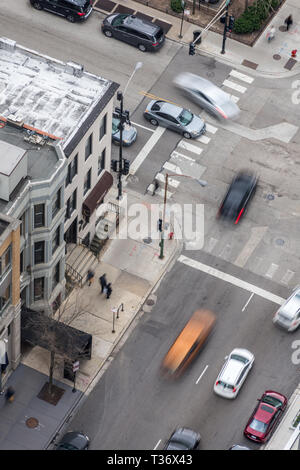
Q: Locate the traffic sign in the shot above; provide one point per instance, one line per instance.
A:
(75, 366)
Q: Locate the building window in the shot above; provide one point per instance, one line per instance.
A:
(22, 226)
(39, 252)
(72, 170)
(22, 262)
(71, 205)
(87, 182)
(101, 161)
(56, 240)
(39, 215)
(5, 261)
(5, 299)
(55, 275)
(39, 285)
(102, 130)
(88, 147)
(56, 203)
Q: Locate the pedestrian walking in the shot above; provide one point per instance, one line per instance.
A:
(103, 282)
(90, 277)
(10, 394)
(288, 21)
(109, 290)
(271, 34)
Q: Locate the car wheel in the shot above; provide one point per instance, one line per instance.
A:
(187, 135)
(37, 6)
(154, 122)
(142, 48)
(71, 18)
(107, 33)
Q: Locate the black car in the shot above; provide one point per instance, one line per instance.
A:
(136, 31)
(238, 196)
(74, 440)
(183, 439)
(73, 10)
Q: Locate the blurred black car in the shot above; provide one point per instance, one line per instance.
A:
(73, 10)
(238, 196)
(74, 440)
(183, 439)
(141, 33)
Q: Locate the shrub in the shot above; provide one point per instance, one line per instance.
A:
(176, 6)
(252, 18)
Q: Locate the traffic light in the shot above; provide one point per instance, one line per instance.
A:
(192, 49)
(223, 19)
(126, 164)
(231, 23)
(114, 165)
(160, 225)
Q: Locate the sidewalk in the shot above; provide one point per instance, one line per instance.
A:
(271, 60)
(134, 269)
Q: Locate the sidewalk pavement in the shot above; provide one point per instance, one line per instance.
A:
(271, 60)
(134, 268)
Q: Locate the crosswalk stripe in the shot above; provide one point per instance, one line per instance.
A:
(203, 139)
(241, 76)
(271, 271)
(171, 181)
(287, 277)
(175, 154)
(211, 129)
(234, 98)
(234, 86)
(190, 147)
(173, 168)
(211, 244)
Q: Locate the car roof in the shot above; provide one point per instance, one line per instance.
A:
(292, 305)
(141, 25)
(168, 108)
(231, 371)
(265, 412)
(210, 89)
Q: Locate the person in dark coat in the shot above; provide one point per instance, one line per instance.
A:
(288, 21)
(90, 276)
(10, 394)
(103, 282)
(109, 290)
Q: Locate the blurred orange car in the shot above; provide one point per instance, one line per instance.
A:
(188, 343)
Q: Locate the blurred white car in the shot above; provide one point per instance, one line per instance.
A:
(288, 315)
(207, 95)
(233, 373)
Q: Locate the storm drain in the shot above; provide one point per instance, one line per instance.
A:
(32, 423)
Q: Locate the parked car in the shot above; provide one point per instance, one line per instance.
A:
(73, 10)
(175, 118)
(233, 373)
(183, 439)
(129, 133)
(188, 344)
(265, 416)
(238, 196)
(288, 315)
(133, 30)
(73, 440)
(238, 447)
(207, 95)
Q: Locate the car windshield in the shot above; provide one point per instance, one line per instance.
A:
(119, 20)
(66, 446)
(185, 117)
(258, 425)
(115, 124)
(272, 401)
(237, 357)
(225, 385)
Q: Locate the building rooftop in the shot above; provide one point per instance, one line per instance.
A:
(47, 94)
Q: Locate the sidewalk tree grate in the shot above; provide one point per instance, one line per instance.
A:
(32, 423)
(290, 64)
(165, 26)
(122, 9)
(105, 5)
(138, 14)
(251, 65)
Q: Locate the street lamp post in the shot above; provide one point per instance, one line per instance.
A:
(182, 17)
(225, 27)
(162, 239)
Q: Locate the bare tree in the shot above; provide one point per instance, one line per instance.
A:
(55, 333)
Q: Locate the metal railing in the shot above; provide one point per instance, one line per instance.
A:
(74, 274)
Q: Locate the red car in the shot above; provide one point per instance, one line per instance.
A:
(266, 416)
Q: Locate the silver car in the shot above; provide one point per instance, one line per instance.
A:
(288, 315)
(129, 133)
(207, 95)
(175, 118)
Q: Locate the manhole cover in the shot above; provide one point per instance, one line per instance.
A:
(282, 28)
(147, 240)
(150, 302)
(276, 57)
(270, 197)
(32, 423)
(279, 241)
(210, 74)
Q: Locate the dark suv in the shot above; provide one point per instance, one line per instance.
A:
(73, 10)
(136, 31)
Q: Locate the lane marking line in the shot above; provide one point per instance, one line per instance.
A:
(246, 304)
(241, 76)
(143, 127)
(231, 279)
(157, 444)
(154, 97)
(137, 162)
(234, 86)
(201, 375)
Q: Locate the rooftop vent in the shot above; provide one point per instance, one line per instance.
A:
(34, 138)
(13, 121)
(74, 69)
(7, 44)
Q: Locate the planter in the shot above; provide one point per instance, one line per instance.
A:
(296, 421)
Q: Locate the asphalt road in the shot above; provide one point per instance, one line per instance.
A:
(133, 407)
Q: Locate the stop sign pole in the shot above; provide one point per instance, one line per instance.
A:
(75, 369)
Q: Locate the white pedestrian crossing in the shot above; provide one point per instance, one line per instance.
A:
(234, 86)
(171, 181)
(203, 139)
(241, 76)
(210, 128)
(190, 147)
(172, 168)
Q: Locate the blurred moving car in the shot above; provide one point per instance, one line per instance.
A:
(74, 440)
(265, 416)
(143, 34)
(238, 447)
(183, 439)
(73, 10)
(175, 118)
(129, 133)
(239, 194)
(188, 343)
(233, 373)
(207, 95)
(288, 315)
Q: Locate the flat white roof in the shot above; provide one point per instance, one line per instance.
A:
(10, 157)
(45, 93)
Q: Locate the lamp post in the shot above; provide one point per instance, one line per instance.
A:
(225, 27)
(182, 17)
(162, 239)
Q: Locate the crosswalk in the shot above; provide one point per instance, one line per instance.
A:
(236, 82)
